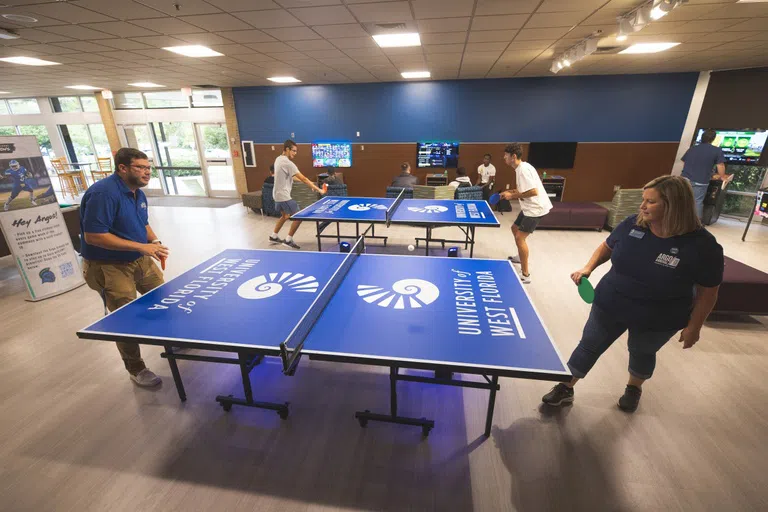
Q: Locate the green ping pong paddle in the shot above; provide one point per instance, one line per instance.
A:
(586, 291)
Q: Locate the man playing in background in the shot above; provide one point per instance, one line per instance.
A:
(22, 180)
(486, 172)
(699, 162)
(119, 246)
(405, 180)
(534, 204)
(285, 172)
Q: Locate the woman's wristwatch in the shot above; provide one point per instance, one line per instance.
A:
(156, 241)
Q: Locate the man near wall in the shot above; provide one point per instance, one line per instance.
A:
(405, 179)
(119, 246)
(699, 161)
(285, 174)
(534, 204)
(486, 173)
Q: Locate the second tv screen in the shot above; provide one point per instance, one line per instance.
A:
(444, 155)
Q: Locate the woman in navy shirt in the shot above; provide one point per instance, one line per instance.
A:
(666, 270)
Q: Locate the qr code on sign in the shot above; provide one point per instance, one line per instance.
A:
(66, 269)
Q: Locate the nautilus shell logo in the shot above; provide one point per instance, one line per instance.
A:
(263, 287)
(433, 208)
(364, 207)
(407, 293)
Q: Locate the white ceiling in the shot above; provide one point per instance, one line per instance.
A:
(111, 43)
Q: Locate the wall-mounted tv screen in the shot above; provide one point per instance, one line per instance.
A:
(552, 155)
(331, 154)
(444, 155)
(739, 147)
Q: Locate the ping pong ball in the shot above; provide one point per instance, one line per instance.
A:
(411, 248)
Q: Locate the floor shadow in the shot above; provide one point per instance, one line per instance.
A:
(554, 470)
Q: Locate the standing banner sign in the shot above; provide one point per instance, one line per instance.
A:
(32, 222)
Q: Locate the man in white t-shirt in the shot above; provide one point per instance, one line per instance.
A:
(285, 172)
(486, 173)
(534, 204)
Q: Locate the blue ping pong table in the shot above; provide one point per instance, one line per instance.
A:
(455, 317)
(426, 213)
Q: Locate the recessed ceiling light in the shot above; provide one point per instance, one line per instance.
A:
(20, 18)
(146, 84)
(416, 74)
(397, 40)
(649, 47)
(194, 50)
(29, 61)
(284, 79)
(84, 87)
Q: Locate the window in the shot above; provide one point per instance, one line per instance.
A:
(43, 139)
(4, 108)
(84, 142)
(89, 104)
(206, 98)
(66, 104)
(128, 100)
(166, 99)
(24, 106)
(7, 130)
(100, 142)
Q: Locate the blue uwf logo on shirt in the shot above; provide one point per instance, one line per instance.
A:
(143, 205)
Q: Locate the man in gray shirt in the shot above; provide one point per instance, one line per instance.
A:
(405, 180)
(285, 172)
(700, 160)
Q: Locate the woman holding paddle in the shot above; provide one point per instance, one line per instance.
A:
(665, 273)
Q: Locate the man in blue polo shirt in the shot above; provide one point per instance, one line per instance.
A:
(119, 246)
(700, 161)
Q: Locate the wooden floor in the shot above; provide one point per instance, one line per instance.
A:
(76, 434)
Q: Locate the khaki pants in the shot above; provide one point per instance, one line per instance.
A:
(119, 283)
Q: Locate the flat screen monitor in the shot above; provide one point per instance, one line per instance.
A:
(444, 155)
(331, 154)
(740, 147)
(552, 155)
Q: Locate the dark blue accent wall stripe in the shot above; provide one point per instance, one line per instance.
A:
(614, 108)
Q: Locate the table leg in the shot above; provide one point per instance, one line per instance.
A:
(175, 372)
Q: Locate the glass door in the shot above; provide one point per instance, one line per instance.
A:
(217, 160)
(178, 159)
(138, 136)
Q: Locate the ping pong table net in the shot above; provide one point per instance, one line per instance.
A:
(390, 213)
(290, 349)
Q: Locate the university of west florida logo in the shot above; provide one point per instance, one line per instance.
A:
(433, 208)
(47, 275)
(406, 293)
(269, 285)
(143, 205)
(364, 207)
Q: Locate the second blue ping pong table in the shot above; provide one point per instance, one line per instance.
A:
(427, 213)
(451, 316)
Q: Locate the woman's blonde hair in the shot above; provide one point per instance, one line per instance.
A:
(679, 205)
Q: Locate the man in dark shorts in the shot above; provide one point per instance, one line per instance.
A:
(285, 171)
(700, 161)
(534, 204)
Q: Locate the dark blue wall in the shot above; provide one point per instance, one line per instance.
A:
(617, 108)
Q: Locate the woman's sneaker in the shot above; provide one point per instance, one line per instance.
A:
(559, 395)
(631, 399)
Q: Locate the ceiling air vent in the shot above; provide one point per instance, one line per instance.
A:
(606, 50)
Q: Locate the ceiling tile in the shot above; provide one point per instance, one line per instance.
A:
(354, 42)
(327, 54)
(445, 9)
(486, 47)
(316, 44)
(121, 29)
(441, 25)
(346, 30)
(747, 25)
(205, 38)
(248, 36)
(45, 49)
(495, 7)
(706, 25)
(77, 32)
(81, 46)
(507, 22)
(541, 33)
(186, 7)
(324, 15)
(269, 19)
(570, 5)
(42, 21)
(216, 22)
(604, 16)
(483, 36)
(122, 9)
(364, 52)
(41, 36)
(445, 38)
(292, 33)
(270, 47)
(382, 12)
(69, 13)
(556, 19)
(436, 49)
(160, 41)
(122, 44)
(169, 26)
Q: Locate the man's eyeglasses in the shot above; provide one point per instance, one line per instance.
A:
(142, 167)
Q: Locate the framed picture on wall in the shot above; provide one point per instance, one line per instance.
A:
(249, 156)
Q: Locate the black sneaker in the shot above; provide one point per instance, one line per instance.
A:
(631, 399)
(292, 244)
(276, 239)
(559, 395)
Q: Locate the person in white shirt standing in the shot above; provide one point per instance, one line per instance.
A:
(486, 173)
(534, 204)
(285, 171)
